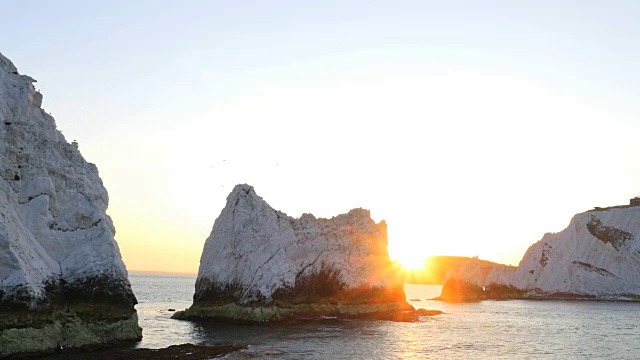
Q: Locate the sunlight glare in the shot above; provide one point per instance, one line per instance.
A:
(412, 263)
(408, 258)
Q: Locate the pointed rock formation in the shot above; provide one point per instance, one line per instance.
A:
(62, 279)
(596, 257)
(259, 264)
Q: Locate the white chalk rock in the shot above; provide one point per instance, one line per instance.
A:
(56, 241)
(259, 257)
(596, 256)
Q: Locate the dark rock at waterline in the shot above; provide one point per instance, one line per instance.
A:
(183, 351)
(406, 314)
(427, 312)
(456, 290)
(85, 315)
(410, 316)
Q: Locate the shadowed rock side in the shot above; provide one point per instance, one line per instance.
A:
(468, 282)
(259, 264)
(62, 280)
(596, 257)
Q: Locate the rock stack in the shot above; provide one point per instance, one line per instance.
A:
(62, 279)
(259, 264)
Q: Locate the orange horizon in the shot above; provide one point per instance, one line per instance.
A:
(162, 272)
(423, 269)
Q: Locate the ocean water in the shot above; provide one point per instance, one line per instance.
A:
(515, 329)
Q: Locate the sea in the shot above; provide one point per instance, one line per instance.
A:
(515, 329)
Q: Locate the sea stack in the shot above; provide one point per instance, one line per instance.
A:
(259, 264)
(596, 257)
(62, 280)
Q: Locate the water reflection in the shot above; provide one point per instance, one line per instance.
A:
(484, 330)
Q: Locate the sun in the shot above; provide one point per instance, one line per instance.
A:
(409, 260)
(412, 263)
(409, 256)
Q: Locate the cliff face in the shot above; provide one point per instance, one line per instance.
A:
(596, 256)
(259, 264)
(62, 280)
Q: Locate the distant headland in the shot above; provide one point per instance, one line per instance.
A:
(597, 257)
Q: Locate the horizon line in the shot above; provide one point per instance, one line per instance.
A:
(162, 272)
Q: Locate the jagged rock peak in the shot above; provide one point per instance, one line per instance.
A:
(258, 257)
(247, 191)
(242, 189)
(57, 247)
(597, 257)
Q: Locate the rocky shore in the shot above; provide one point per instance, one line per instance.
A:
(307, 312)
(182, 351)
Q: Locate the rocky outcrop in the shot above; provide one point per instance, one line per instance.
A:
(259, 264)
(172, 352)
(62, 280)
(468, 282)
(436, 269)
(596, 257)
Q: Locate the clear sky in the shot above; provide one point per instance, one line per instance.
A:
(471, 128)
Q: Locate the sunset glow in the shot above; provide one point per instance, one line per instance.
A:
(465, 142)
(411, 263)
(337, 180)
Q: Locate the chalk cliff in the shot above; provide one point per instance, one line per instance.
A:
(62, 280)
(259, 264)
(596, 257)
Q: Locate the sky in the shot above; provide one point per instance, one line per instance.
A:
(472, 129)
